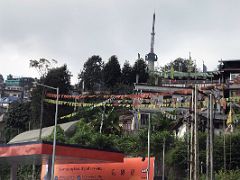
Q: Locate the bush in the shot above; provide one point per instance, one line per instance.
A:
(229, 175)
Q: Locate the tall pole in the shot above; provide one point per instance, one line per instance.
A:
(163, 166)
(188, 147)
(103, 116)
(230, 151)
(54, 138)
(196, 158)
(149, 129)
(41, 115)
(224, 146)
(211, 137)
(230, 141)
(224, 127)
(192, 140)
(207, 141)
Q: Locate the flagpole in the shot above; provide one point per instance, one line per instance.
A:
(207, 140)
(196, 145)
(230, 143)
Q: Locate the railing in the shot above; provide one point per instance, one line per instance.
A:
(187, 82)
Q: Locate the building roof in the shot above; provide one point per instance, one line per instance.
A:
(40, 152)
(230, 65)
(33, 135)
(230, 60)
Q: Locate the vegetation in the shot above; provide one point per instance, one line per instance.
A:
(99, 127)
(17, 119)
(127, 74)
(97, 76)
(140, 69)
(112, 72)
(91, 75)
(181, 65)
(55, 77)
(42, 65)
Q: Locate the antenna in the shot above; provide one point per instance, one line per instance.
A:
(153, 34)
(151, 57)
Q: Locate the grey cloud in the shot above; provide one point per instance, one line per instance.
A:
(71, 31)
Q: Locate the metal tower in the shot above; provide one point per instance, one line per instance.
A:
(151, 57)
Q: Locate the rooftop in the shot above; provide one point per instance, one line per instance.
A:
(33, 135)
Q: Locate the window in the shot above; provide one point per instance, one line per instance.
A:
(144, 119)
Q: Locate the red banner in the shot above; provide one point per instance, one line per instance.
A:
(130, 169)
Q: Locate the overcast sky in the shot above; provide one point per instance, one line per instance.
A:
(71, 31)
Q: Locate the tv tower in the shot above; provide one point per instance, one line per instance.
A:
(152, 57)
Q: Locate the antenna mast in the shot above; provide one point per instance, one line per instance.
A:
(152, 57)
(153, 34)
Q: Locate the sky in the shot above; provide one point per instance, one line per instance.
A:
(71, 31)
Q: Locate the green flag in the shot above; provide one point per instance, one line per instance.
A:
(165, 72)
(172, 72)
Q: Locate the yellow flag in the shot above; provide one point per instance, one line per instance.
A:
(230, 117)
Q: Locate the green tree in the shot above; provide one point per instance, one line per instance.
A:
(60, 136)
(59, 77)
(127, 74)
(129, 144)
(176, 159)
(17, 119)
(92, 73)
(109, 119)
(140, 69)
(56, 77)
(42, 65)
(102, 141)
(83, 134)
(181, 65)
(112, 72)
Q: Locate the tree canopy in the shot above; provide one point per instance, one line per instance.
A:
(56, 77)
(140, 69)
(17, 119)
(92, 73)
(181, 65)
(59, 77)
(112, 72)
(127, 74)
(42, 65)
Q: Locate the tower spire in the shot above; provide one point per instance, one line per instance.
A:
(151, 57)
(153, 34)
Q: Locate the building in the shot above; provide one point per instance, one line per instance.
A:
(174, 94)
(230, 76)
(18, 87)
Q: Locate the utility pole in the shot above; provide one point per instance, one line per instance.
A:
(230, 151)
(163, 167)
(41, 115)
(211, 137)
(196, 157)
(224, 127)
(103, 117)
(207, 142)
(188, 146)
(230, 141)
(149, 137)
(224, 146)
(192, 140)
